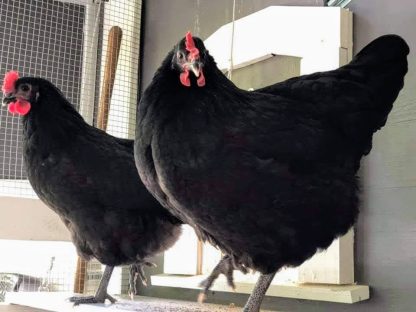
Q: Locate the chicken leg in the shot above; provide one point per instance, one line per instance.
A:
(136, 270)
(226, 266)
(254, 302)
(101, 293)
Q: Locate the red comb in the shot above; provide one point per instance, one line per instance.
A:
(9, 82)
(189, 41)
(190, 46)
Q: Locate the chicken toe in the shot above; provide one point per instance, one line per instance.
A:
(226, 266)
(136, 271)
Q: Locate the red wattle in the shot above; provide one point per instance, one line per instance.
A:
(12, 108)
(22, 107)
(201, 79)
(184, 77)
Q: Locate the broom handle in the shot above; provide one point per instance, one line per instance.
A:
(113, 50)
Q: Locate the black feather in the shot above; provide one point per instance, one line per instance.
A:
(268, 176)
(90, 180)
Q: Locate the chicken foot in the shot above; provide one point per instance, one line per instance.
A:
(254, 301)
(136, 270)
(101, 293)
(226, 266)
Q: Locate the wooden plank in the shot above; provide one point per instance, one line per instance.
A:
(331, 293)
(343, 56)
(332, 266)
(346, 28)
(199, 256)
(350, 45)
(346, 258)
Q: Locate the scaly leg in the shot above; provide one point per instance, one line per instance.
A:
(254, 302)
(101, 293)
(226, 266)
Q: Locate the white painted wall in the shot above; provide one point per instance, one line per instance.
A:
(30, 219)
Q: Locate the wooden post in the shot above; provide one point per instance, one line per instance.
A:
(200, 250)
(113, 51)
(80, 276)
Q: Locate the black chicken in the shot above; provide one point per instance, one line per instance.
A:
(90, 180)
(267, 176)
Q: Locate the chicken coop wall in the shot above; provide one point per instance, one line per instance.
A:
(65, 42)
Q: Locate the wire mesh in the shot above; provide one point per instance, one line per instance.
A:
(34, 40)
(66, 42)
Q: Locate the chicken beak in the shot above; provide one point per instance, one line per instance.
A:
(195, 67)
(8, 99)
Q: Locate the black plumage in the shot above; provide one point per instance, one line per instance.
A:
(268, 176)
(89, 179)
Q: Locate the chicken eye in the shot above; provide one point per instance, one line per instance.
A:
(24, 88)
(180, 56)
